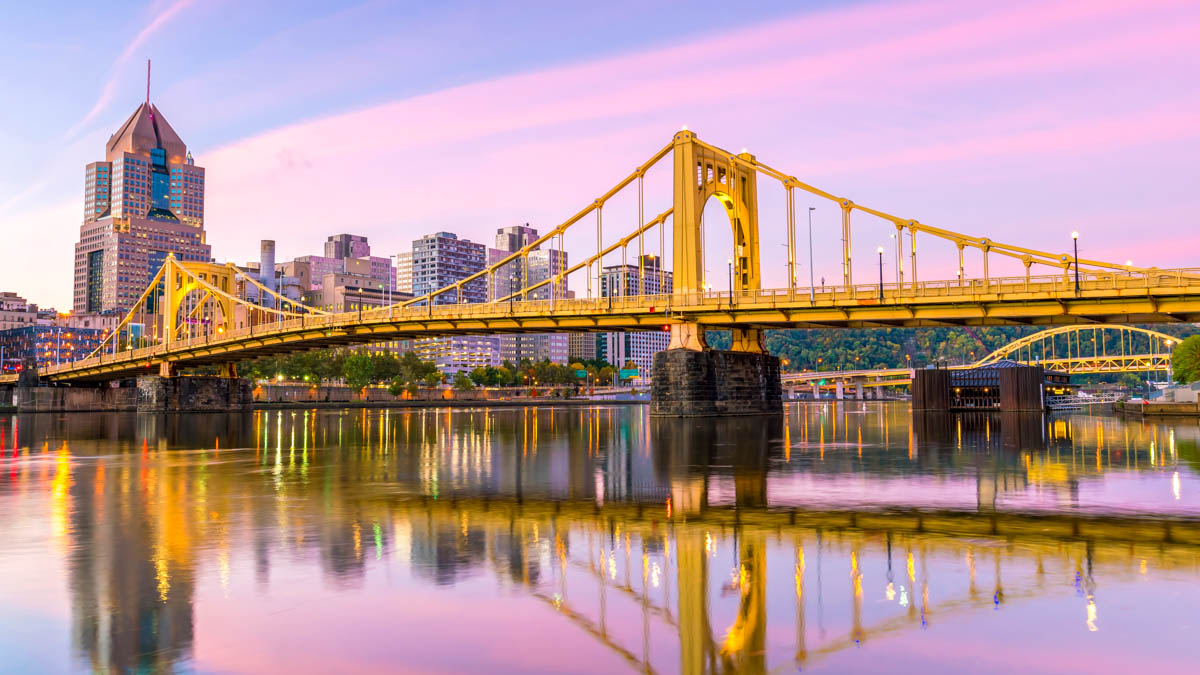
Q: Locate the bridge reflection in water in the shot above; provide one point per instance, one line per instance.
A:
(694, 545)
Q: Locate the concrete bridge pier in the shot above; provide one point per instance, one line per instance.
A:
(841, 390)
(858, 391)
(708, 382)
(816, 391)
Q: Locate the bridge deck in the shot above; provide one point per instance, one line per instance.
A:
(1163, 296)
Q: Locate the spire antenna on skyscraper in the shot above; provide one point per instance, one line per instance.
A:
(148, 87)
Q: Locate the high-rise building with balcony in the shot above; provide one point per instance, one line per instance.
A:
(144, 202)
(439, 261)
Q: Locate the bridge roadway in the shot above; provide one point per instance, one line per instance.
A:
(889, 377)
(1115, 534)
(1156, 296)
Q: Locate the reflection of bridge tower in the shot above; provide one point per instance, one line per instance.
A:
(744, 649)
(696, 651)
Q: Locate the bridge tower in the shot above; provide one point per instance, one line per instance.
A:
(702, 174)
(186, 299)
(690, 379)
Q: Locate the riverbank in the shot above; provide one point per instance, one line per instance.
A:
(1157, 409)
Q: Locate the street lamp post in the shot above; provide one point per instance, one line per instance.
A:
(812, 284)
(360, 301)
(1169, 343)
(391, 282)
(880, 252)
(1075, 239)
(729, 263)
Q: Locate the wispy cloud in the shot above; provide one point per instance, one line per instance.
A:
(116, 71)
(1002, 120)
(859, 98)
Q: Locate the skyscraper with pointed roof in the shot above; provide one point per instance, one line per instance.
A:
(144, 202)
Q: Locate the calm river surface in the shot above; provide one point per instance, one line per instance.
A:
(838, 538)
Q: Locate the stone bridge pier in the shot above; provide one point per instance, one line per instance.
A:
(152, 393)
(710, 382)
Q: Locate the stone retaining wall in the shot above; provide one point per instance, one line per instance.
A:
(76, 399)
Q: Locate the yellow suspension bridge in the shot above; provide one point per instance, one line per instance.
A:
(202, 314)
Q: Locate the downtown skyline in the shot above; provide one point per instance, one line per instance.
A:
(1020, 122)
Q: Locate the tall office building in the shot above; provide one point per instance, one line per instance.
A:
(637, 346)
(541, 265)
(440, 260)
(404, 273)
(347, 246)
(348, 254)
(144, 202)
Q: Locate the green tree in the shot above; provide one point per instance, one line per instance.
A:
(358, 370)
(397, 387)
(479, 376)
(462, 382)
(386, 366)
(504, 376)
(1185, 360)
(433, 379)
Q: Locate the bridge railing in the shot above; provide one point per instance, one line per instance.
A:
(675, 304)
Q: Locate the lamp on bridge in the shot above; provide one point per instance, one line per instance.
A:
(1075, 239)
(729, 263)
(880, 252)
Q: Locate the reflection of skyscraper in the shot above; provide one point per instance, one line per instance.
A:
(443, 553)
(131, 578)
(514, 556)
(342, 550)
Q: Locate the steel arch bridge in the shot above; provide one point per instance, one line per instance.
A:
(200, 314)
(1073, 350)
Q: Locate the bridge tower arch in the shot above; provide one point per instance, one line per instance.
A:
(701, 173)
(195, 280)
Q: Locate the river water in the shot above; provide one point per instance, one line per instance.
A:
(837, 538)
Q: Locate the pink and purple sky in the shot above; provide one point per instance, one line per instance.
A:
(1020, 121)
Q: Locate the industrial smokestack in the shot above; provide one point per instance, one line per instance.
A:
(266, 264)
